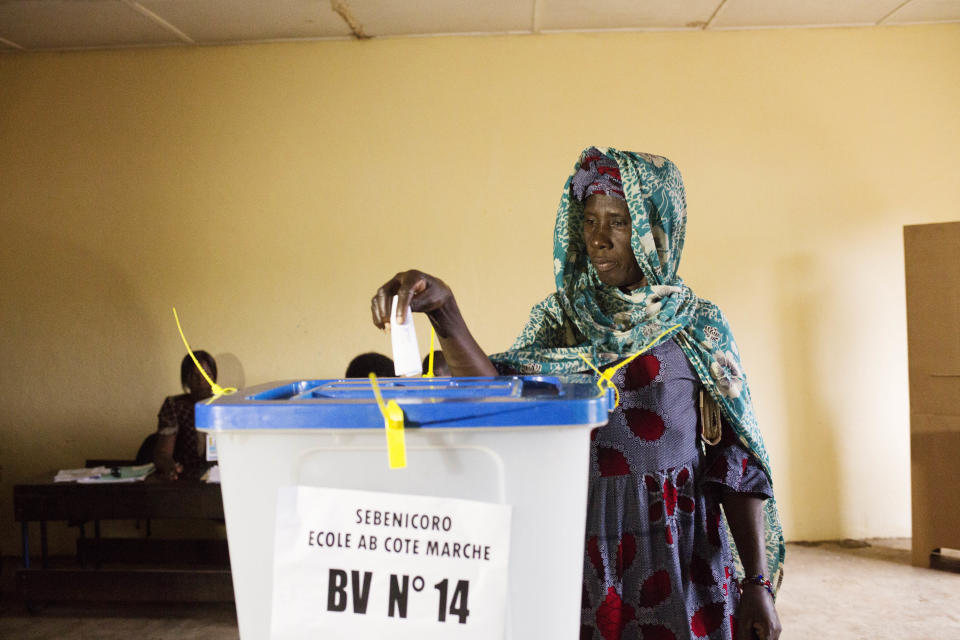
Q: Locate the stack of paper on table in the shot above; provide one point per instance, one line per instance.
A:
(212, 474)
(105, 475)
(72, 475)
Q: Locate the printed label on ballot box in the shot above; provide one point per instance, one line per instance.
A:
(361, 564)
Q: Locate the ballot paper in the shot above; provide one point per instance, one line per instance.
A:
(403, 337)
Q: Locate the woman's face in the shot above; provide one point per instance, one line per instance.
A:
(197, 384)
(606, 232)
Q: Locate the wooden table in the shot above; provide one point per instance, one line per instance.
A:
(124, 569)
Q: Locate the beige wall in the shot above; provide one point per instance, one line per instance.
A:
(266, 191)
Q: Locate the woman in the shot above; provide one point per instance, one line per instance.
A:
(657, 562)
(177, 443)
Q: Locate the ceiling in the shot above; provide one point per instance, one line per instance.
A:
(38, 25)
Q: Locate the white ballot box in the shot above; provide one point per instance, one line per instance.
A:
(480, 536)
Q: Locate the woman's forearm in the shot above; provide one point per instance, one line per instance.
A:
(430, 295)
(463, 355)
(745, 517)
(163, 449)
(167, 467)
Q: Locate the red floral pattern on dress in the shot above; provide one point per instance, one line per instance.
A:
(626, 552)
(612, 462)
(641, 372)
(656, 632)
(656, 511)
(668, 534)
(669, 496)
(666, 498)
(613, 615)
(655, 589)
(652, 485)
(700, 572)
(645, 424)
(707, 619)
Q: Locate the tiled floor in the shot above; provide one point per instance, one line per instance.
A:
(872, 592)
(181, 622)
(832, 590)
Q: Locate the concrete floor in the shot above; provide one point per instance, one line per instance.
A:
(832, 590)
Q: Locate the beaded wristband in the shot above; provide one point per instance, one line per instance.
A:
(759, 580)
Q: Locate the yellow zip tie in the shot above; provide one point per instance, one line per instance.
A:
(606, 376)
(429, 373)
(393, 424)
(217, 389)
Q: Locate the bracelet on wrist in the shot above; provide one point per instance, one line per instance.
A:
(760, 581)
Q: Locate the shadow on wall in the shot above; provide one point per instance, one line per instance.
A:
(230, 371)
(814, 473)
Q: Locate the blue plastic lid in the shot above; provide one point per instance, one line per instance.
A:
(427, 403)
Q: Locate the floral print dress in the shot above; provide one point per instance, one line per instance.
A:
(657, 563)
(176, 418)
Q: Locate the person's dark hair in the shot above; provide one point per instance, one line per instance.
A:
(366, 363)
(440, 366)
(186, 365)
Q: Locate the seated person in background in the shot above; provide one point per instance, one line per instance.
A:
(440, 368)
(366, 363)
(177, 443)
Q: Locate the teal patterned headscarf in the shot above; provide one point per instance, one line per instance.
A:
(586, 317)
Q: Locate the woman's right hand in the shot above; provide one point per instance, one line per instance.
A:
(168, 468)
(423, 292)
(430, 295)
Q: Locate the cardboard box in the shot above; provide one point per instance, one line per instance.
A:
(932, 257)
